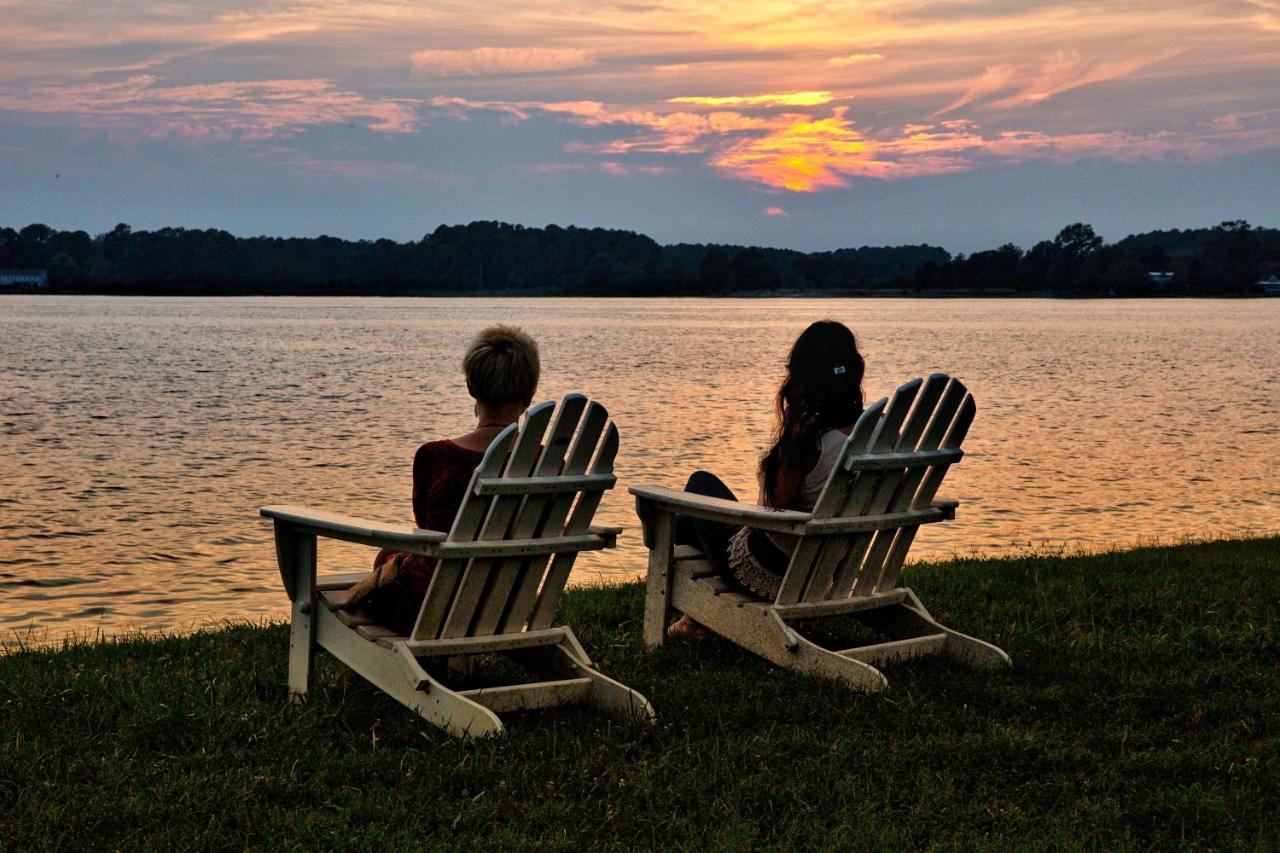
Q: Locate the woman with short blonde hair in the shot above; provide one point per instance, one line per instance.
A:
(501, 367)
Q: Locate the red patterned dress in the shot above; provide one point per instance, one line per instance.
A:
(441, 473)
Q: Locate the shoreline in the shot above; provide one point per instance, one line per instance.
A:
(17, 640)
(765, 294)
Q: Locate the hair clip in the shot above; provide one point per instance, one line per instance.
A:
(839, 368)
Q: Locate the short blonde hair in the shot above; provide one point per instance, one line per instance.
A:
(502, 366)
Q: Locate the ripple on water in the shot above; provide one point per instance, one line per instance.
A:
(131, 494)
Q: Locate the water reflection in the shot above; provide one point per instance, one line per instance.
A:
(138, 436)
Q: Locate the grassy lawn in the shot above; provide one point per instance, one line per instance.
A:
(1143, 710)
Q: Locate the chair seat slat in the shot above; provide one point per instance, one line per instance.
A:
(342, 581)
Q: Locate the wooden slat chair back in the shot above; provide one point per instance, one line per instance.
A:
(849, 550)
(527, 490)
(501, 569)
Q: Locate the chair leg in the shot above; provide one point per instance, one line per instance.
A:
(297, 556)
(658, 586)
(302, 651)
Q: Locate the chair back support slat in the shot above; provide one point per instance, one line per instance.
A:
(444, 583)
(898, 488)
(842, 557)
(579, 522)
(924, 416)
(502, 510)
(805, 557)
(924, 427)
(871, 490)
(838, 491)
(926, 440)
(829, 505)
(548, 460)
(537, 606)
(893, 461)
(529, 521)
(924, 495)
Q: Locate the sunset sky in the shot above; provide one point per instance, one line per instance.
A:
(812, 125)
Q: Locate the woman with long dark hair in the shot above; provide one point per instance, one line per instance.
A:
(817, 405)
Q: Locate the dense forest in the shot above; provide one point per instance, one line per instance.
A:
(494, 257)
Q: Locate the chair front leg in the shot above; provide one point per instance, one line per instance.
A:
(296, 554)
(658, 588)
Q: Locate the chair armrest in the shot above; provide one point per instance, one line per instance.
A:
(718, 509)
(608, 533)
(336, 525)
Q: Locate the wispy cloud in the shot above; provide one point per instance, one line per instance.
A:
(1063, 71)
(855, 59)
(252, 109)
(790, 96)
(786, 99)
(803, 153)
(495, 60)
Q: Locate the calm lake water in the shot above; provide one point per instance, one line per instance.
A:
(139, 436)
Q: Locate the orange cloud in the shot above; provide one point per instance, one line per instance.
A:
(802, 155)
(799, 152)
(790, 99)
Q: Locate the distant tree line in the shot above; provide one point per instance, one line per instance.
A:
(495, 257)
(1227, 259)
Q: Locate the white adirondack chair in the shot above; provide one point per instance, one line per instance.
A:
(849, 554)
(500, 572)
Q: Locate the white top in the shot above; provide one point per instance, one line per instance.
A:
(829, 447)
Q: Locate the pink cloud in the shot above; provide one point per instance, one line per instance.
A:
(495, 60)
(855, 59)
(776, 211)
(253, 109)
(1063, 71)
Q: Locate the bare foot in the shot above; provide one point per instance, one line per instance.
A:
(689, 629)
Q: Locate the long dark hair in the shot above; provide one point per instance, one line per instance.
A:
(822, 391)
